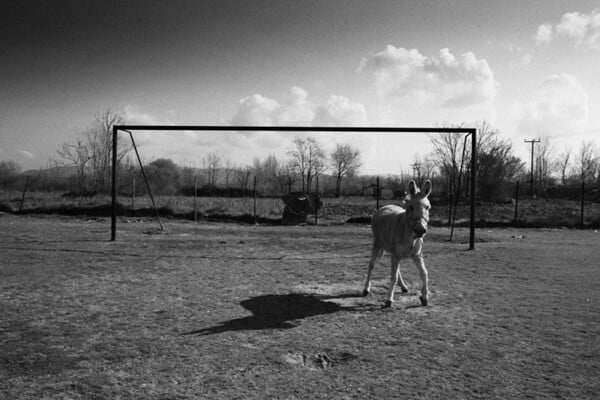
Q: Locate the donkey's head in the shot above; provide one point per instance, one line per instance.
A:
(417, 208)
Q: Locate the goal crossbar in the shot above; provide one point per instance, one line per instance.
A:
(244, 128)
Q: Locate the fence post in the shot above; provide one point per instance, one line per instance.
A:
(317, 209)
(195, 196)
(254, 199)
(517, 202)
(582, 203)
(24, 191)
(377, 193)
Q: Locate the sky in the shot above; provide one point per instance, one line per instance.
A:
(527, 67)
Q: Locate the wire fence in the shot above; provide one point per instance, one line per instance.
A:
(572, 206)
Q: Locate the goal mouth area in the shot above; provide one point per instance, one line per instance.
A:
(472, 132)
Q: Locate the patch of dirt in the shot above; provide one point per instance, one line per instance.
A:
(320, 360)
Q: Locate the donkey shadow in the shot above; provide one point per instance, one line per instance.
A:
(279, 311)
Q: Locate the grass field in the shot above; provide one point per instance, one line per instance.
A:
(207, 310)
(540, 212)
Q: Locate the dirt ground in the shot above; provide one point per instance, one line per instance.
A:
(208, 310)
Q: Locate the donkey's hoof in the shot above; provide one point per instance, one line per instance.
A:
(387, 304)
(423, 301)
(365, 293)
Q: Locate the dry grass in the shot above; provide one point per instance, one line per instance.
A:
(234, 311)
(537, 213)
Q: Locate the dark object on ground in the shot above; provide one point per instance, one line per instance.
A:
(7, 208)
(298, 206)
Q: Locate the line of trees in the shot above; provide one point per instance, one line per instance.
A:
(84, 166)
(498, 169)
(306, 162)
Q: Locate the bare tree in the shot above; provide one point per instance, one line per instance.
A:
(189, 175)
(345, 160)
(99, 142)
(91, 153)
(211, 163)
(77, 155)
(587, 161)
(257, 170)
(317, 161)
(447, 150)
(497, 165)
(309, 160)
(242, 176)
(298, 159)
(286, 176)
(228, 170)
(266, 171)
(562, 164)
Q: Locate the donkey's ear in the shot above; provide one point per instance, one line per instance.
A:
(427, 188)
(412, 188)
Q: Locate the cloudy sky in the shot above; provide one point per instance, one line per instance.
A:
(527, 67)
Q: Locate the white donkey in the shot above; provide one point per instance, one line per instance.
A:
(400, 232)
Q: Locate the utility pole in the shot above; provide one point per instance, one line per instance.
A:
(417, 171)
(533, 142)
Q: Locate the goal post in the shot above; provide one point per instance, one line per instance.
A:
(472, 132)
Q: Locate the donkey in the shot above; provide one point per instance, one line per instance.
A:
(399, 231)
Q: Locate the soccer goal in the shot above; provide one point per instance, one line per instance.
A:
(469, 132)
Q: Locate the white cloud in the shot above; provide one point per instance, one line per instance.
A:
(134, 115)
(26, 154)
(295, 110)
(340, 111)
(526, 58)
(260, 110)
(543, 34)
(442, 80)
(574, 25)
(583, 28)
(298, 110)
(561, 106)
(256, 110)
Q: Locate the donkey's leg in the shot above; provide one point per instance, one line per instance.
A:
(401, 282)
(375, 256)
(418, 260)
(393, 279)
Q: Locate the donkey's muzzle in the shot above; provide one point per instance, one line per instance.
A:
(420, 230)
